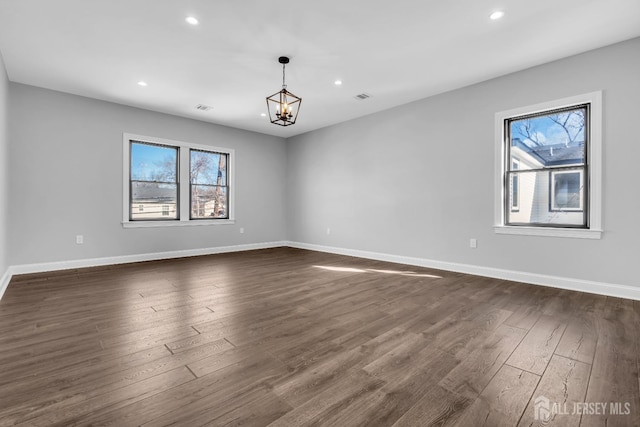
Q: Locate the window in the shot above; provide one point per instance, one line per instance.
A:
(153, 180)
(169, 183)
(208, 176)
(549, 151)
(548, 174)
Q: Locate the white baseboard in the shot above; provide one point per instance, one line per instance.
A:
(125, 259)
(608, 289)
(4, 281)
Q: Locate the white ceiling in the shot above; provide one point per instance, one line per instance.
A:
(397, 51)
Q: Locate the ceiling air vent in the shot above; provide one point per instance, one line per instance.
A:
(362, 96)
(203, 107)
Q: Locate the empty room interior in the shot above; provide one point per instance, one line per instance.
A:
(358, 213)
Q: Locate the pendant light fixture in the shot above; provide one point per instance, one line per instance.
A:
(283, 106)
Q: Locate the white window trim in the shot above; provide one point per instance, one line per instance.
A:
(183, 183)
(595, 169)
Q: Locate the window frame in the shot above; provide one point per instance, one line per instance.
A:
(191, 185)
(131, 181)
(592, 170)
(510, 173)
(183, 181)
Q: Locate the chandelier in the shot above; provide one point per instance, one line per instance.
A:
(283, 106)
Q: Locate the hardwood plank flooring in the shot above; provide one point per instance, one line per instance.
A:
(536, 349)
(288, 337)
(472, 375)
(502, 401)
(565, 382)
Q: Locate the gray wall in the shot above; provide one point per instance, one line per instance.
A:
(414, 181)
(66, 179)
(418, 180)
(4, 170)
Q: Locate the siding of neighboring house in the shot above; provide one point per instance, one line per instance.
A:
(153, 210)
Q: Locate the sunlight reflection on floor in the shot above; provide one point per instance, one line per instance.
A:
(372, 270)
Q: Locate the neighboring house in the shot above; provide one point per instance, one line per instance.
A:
(215, 208)
(153, 201)
(158, 201)
(546, 196)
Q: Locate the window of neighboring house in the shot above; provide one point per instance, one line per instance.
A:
(153, 180)
(169, 183)
(567, 190)
(208, 177)
(550, 174)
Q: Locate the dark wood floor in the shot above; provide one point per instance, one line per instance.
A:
(287, 337)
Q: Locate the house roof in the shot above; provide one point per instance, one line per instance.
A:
(554, 155)
(153, 193)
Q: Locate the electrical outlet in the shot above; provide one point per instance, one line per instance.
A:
(241, 230)
(473, 243)
(79, 239)
(328, 231)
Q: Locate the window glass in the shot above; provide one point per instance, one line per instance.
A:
(208, 176)
(546, 165)
(153, 184)
(174, 183)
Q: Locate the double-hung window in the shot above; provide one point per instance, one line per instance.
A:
(153, 183)
(209, 190)
(548, 174)
(169, 183)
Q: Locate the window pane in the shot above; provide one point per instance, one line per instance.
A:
(153, 162)
(208, 168)
(209, 201)
(553, 198)
(549, 140)
(148, 200)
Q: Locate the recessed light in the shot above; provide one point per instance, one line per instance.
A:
(263, 114)
(191, 20)
(141, 83)
(338, 82)
(496, 15)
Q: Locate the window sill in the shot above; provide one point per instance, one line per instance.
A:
(186, 223)
(549, 232)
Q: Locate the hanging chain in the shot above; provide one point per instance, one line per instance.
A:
(284, 86)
